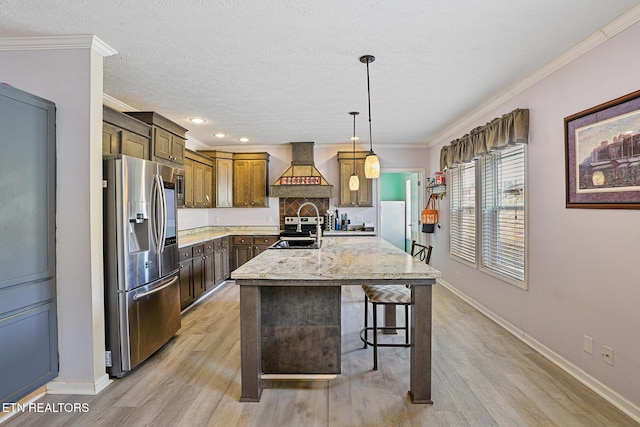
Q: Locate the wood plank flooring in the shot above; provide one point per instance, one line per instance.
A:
(482, 376)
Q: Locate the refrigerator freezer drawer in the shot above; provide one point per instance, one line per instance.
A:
(147, 318)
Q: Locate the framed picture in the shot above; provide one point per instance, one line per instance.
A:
(602, 152)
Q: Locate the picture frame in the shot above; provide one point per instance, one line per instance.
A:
(602, 155)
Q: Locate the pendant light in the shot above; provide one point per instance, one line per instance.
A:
(354, 182)
(371, 163)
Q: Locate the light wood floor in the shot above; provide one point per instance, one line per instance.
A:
(482, 376)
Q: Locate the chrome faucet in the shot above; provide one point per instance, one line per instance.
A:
(318, 227)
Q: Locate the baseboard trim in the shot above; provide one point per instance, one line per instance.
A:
(60, 387)
(31, 397)
(592, 383)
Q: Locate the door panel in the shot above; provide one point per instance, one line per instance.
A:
(32, 355)
(28, 326)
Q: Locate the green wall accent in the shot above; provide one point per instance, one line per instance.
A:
(392, 186)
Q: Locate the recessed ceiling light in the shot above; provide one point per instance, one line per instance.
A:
(197, 120)
(354, 138)
(219, 135)
(244, 139)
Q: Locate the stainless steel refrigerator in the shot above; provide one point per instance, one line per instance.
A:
(142, 293)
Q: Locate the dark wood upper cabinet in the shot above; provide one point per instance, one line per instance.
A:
(167, 138)
(123, 134)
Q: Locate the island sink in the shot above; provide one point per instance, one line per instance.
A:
(296, 244)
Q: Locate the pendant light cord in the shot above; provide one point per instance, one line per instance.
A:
(369, 102)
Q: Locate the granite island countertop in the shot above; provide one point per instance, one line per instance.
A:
(338, 259)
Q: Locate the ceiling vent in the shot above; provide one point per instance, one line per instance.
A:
(302, 179)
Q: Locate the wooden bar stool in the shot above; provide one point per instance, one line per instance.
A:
(389, 295)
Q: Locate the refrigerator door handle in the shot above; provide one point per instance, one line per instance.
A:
(163, 210)
(159, 213)
(154, 213)
(154, 290)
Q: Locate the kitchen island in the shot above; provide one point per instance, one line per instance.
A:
(275, 331)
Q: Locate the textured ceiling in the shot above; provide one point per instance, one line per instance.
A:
(288, 70)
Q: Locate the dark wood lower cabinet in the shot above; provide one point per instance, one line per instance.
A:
(198, 271)
(202, 267)
(221, 255)
(186, 282)
(209, 267)
(247, 247)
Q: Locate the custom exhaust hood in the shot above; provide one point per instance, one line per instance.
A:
(301, 179)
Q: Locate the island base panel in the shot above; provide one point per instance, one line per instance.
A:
(301, 329)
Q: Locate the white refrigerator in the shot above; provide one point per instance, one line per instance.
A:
(393, 222)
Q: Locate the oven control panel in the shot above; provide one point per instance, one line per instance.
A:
(310, 220)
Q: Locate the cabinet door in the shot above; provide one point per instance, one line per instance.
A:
(347, 197)
(209, 273)
(218, 257)
(226, 261)
(162, 143)
(242, 254)
(186, 283)
(177, 149)
(198, 184)
(110, 139)
(188, 183)
(209, 265)
(241, 183)
(208, 186)
(198, 270)
(258, 184)
(135, 145)
(364, 193)
(224, 183)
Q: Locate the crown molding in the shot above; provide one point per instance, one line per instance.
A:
(85, 41)
(462, 125)
(116, 104)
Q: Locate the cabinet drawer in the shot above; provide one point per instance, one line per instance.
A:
(198, 250)
(209, 246)
(265, 240)
(241, 240)
(185, 253)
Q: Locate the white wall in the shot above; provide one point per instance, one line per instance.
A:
(582, 263)
(72, 78)
(326, 160)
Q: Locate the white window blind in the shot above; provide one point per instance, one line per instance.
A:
(462, 209)
(503, 212)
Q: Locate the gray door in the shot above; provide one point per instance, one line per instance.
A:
(28, 331)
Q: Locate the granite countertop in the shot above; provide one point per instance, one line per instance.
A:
(348, 233)
(200, 235)
(339, 258)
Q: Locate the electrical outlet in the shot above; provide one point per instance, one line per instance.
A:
(607, 355)
(588, 344)
(216, 219)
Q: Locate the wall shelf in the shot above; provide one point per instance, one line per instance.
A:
(439, 190)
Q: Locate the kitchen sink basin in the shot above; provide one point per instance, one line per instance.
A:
(296, 244)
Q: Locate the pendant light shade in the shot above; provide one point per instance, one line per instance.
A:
(371, 163)
(372, 166)
(354, 181)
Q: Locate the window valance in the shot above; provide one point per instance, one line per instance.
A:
(510, 129)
